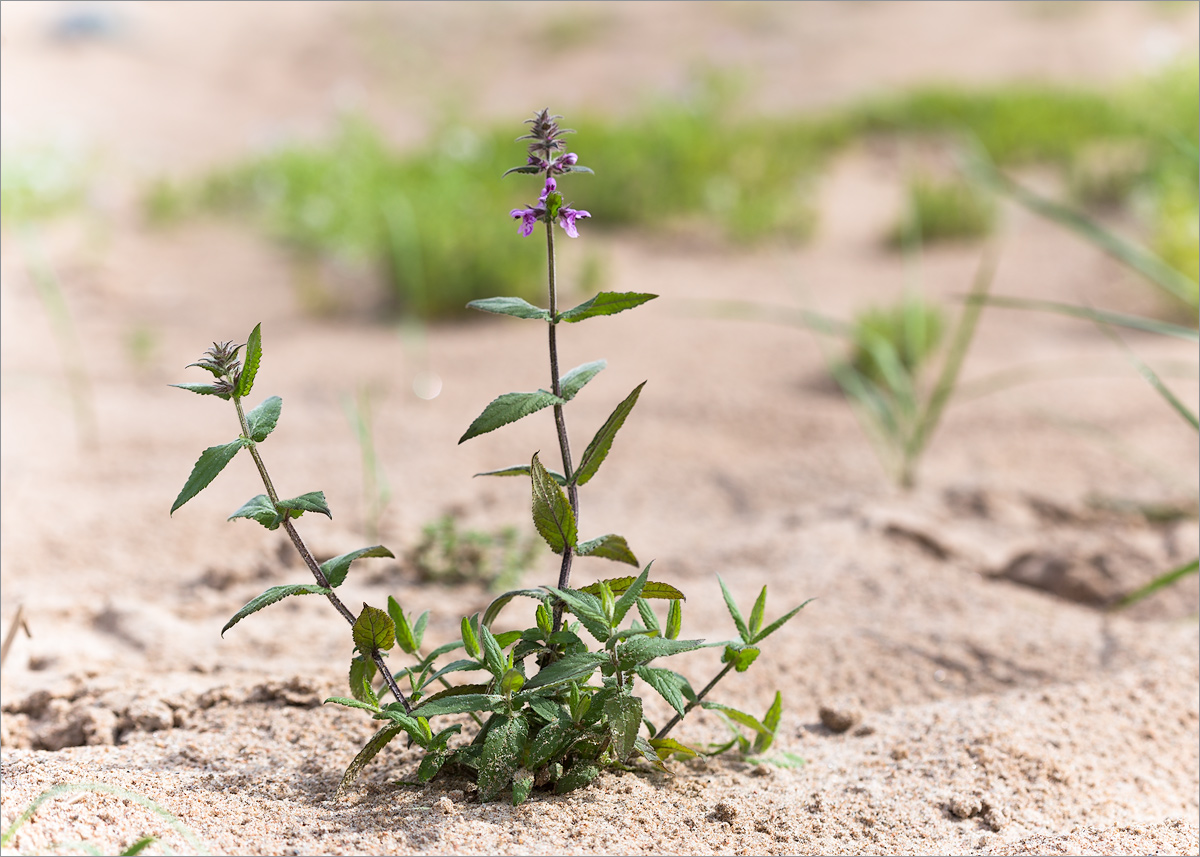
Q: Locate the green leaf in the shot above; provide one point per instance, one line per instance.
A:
(598, 449)
(501, 756)
(668, 683)
(353, 703)
(522, 783)
(573, 381)
(652, 589)
(511, 682)
(778, 623)
(470, 638)
(774, 714)
(523, 470)
(493, 656)
(516, 307)
(378, 741)
(608, 547)
(259, 509)
(552, 513)
(566, 669)
(418, 629)
(461, 703)
(576, 778)
(742, 630)
(740, 656)
(647, 614)
(203, 389)
(587, 609)
(404, 634)
(643, 649)
(362, 671)
(373, 629)
(262, 419)
(667, 747)
(275, 593)
(605, 303)
(336, 569)
(629, 598)
(738, 717)
(756, 612)
(527, 169)
(250, 367)
(499, 602)
(139, 846)
(509, 408)
(551, 741)
(313, 501)
(674, 619)
(1159, 582)
(624, 716)
(431, 764)
(211, 462)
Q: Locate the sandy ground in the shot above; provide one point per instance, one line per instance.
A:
(997, 708)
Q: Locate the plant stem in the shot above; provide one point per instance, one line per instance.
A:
(564, 573)
(674, 721)
(309, 559)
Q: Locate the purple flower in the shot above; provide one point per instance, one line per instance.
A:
(551, 187)
(528, 217)
(566, 219)
(561, 164)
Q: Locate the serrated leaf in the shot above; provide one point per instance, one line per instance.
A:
(522, 783)
(250, 366)
(211, 462)
(263, 418)
(272, 595)
(313, 501)
(624, 716)
(516, 307)
(576, 778)
(552, 513)
(259, 509)
(643, 649)
(203, 390)
(446, 703)
(587, 609)
(668, 683)
(431, 764)
(573, 381)
(378, 741)
(336, 569)
(353, 703)
(667, 747)
(598, 449)
(404, 634)
(523, 470)
(652, 589)
(493, 656)
(526, 169)
(566, 669)
(608, 546)
(373, 629)
(509, 408)
(362, 672)
(605, 303)
(501, 756)
(742, 630)
(647, 614)
(740, 656)
(778, 623)
(547, 709)
(577, 168)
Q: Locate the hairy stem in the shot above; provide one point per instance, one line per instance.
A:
(674, 721)
(309, 559)
(564, 445)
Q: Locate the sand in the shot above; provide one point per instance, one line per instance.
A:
(992, 704)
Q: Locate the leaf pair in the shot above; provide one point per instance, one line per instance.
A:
(605, 303)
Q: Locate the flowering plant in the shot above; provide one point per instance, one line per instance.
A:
(542, 717)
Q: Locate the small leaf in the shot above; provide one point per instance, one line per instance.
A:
(573, 381)
(446, 703)
(629, 598)
(203, 389)
(275, 593)
(509, 408)
(522, 783)
(353, 703)
(501, 754)
(551, 741)
(418, 629)
(378, 741)
(740, 656)
(608, 547)
(742, 630)
(498, 603)
(778, 623)
(577, 168)
(605, 303)
(756, 613)
(588, 610)
(652, 589)
(139, 846)
(211, 462)
(313, 501)
(647, 614)
(493, 656)
(598, 449)
(511, 682)
(738, 717)
(523, 470)
(250, 367)
(643, 649)
(404, 634)
(762, 743)
(527, 169)
(624, 716)
(552, 513)
(516, 307)
(576, 778)
(259, 509)
(373, 629)
(568, 668)
(674, 620)
(336, 569)
(470, 640)
(362, 672)
(668, 683)
(667, 747)
(263, 418)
